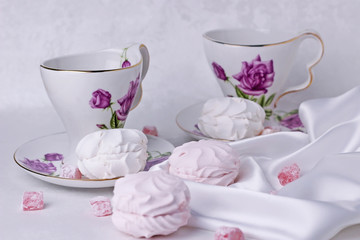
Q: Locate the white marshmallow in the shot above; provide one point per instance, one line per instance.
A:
(112, 153)
(231, 118)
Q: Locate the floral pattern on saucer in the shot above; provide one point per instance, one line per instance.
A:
(59, 143)
(46, 164)
(290, 120)
(280, 121)
(52, 163)
(155, 158)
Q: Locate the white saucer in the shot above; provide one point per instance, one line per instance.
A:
(187, 120)
(58, 143)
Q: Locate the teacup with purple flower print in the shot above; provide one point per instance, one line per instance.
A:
(252, 82)
(102, 99)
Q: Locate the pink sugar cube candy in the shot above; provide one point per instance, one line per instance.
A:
(70, 171)
(150, 130)
(289, 174)
(33, 201)
(101, 206)
(273, 192)
(269, 130)
(229, 233)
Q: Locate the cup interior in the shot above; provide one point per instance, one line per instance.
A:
(247, 37)
(104, 60)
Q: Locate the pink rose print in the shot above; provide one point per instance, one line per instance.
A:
(292, 122)
(255, 77)
(252, 82)
(39, 166)
(54, 157)
(100, 99)
(219, 71)
(119, 116)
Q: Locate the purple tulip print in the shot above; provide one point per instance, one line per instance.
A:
(126, 64)
(101, 126)
(154, 160)
(39, 166)
(197, 131)
(126, 101)
(219, 71)
(125, 105)
(255, 77)
(54, 157)
(292, 122)
(118, 116)
(100, 99)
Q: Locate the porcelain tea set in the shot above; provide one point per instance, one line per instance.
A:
(97, 90)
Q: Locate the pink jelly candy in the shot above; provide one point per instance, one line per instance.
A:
(33, 201)
(289, 174)
(269, 130)
(150, 130)
(273, 192)
(70, 171)
(229, 233)
(101, 206)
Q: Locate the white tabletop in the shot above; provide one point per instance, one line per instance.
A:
(67, 211)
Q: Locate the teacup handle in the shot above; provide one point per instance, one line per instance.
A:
(145, 66)
(146, 60)
(305, 85)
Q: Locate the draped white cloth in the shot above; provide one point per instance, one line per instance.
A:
(324, 200)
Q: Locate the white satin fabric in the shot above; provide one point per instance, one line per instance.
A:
(324, 200)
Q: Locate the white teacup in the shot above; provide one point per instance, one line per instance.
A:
(255, 64)
(95, 90)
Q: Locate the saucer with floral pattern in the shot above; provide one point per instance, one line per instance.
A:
(188, 117)
(44, 158)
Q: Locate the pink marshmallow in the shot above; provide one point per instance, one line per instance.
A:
(101, 206)
(70, 171)
(150, 130)
(229, 233)
(289, 174)
(33, 201)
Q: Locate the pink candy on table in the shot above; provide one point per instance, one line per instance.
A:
(269, 130)
(150, 130)
(101, 206)
(289, 174)
(70, 171)
(229, 233)
(33, 201)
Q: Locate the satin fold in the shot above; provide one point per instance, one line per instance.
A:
(323, 201)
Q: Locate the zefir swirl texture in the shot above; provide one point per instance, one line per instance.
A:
(112, 153)
(150, 203)
(206, 161)
(231, 118)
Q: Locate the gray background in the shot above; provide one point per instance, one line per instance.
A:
(31, 31)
